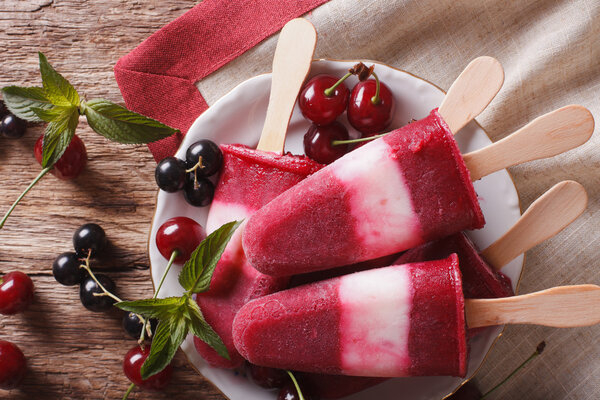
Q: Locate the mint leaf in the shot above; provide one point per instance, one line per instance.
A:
(153, 308)
(198, 270)
(52, 114)
(58, 135)
(169, 335)
(57, 88)
(121, 125)
(204, 331)
(21, 100)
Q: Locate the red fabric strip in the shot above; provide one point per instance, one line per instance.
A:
(158, 77)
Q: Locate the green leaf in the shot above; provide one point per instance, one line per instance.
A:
(118, 124)
(52, 114)
(58, 135)
(153, 308)
(201, 329)
(21, 100)
(57, 88)
(169, 335)
(198, 270)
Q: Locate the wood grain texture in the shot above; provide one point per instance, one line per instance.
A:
(73, 353)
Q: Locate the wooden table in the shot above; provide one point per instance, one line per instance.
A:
(74, 353)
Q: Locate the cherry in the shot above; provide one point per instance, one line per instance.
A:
(131, 367)
(133, 325)
(207, 155)
(320, 105)
(198, 192)
(67, 271)
(318, 146)
(72, 162)
(89, 291)
(170, 174)
(179, 234)
(13, 365)
(289, 392)
(89, 237)
(268, 378)
(12, 126)
(16, 293)
(369, 112)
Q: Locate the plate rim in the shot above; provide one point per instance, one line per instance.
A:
(517, 286)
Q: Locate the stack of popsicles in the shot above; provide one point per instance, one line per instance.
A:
(409, 190)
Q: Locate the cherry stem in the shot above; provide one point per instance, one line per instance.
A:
(296, 384)
(376, 99)
(350, 141)
(194, 169)
(145, 328)
(86, 266)
(536, 353)
(329, 91)
(31, 185)
(129, 390)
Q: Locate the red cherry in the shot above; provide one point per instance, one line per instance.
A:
(182, 234)
(365, 116)
(13, 365)
(16, 293)
(317, 142)
(133, 363)
(319, 107)
(266, 377)
(72, 162)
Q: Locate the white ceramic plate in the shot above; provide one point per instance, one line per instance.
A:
(238, 117)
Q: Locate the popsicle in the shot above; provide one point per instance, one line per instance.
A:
(249, 179)
(407, 188)
(396, 321)
(401, 320)
(482, 279)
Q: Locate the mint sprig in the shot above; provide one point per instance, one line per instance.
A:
(59, 104)
(179, 316)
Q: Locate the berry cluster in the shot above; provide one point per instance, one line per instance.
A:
(202, 160)
(10, 125)
(370, 108)
(271, 378)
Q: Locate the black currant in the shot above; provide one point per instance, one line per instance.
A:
(88, 289)
(198, 193)
(3, 109)
(212, 158)
(133, 325)
(67, 271)
(170, 174)
(89, 237)
(12, 127)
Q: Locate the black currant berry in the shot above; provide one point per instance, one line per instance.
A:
(12, 127)
(93, 302)
(212, 158)
(170, 174)
(133, 325)
(67, 271)
(198, 193)
(89, 237)
(3, 109)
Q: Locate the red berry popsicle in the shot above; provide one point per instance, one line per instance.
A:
(402, 320)
(249, 179)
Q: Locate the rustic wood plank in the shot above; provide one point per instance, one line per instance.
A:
(73, 353)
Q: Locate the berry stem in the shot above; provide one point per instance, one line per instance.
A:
(536, 353)
(145, 327)
(350, 141)
(194, 169)
(86, 266)
(296, 384)
(329, 91)
(31, 185)
(129, 390)
(376, 99)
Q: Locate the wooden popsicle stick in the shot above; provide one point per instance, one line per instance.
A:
(291, 64)
(545, 136)
(561, 307)
(471, 92)
(544, 218)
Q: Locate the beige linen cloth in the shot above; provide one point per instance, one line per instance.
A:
(550, 51)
